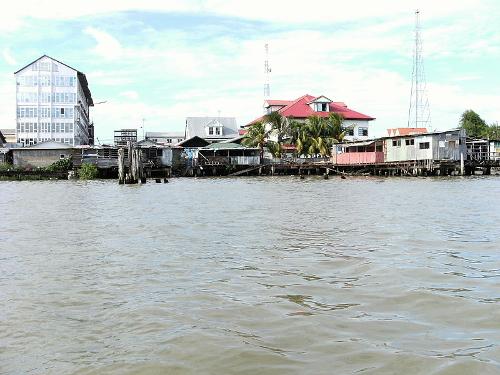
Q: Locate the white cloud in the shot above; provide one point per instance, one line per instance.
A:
(7, 56)
(130, 94)
(107, 46)
(284, 11)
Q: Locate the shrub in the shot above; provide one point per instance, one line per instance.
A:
(88, 171)
(62, 165)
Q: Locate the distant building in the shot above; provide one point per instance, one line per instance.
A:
(212, 129)
(123, 136)
(305, 106)
(9, 135)
(52, 104)
(165, 138)
(449, 145)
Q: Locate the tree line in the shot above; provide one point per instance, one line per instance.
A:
(476, 127)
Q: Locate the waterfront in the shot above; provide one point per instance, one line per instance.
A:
(251, 275)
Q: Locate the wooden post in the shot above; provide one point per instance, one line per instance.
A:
(121, 166)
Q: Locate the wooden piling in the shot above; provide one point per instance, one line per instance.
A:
(121, 166)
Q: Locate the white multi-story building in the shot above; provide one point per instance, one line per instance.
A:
(52, 104)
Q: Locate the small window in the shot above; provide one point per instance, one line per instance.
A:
(363, 132)
(409, 142)
(396, 142)
(423, 145)
(210, 130)
(350, 131)
(217, 130)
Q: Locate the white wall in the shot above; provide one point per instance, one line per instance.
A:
(356, 124)
(40, 82)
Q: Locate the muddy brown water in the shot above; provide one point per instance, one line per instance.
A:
(251, 276)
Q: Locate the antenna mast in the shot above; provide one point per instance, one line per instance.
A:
(419, 115)
(267, 71)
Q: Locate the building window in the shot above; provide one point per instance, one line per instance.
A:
(423, 145)
(363, 132)
(409, 142)
(217, 130)
(350, 132)
(396, 143)
(210, 130)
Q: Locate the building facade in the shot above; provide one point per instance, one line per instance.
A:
(122, 136)
(165, 138)
(52, 104)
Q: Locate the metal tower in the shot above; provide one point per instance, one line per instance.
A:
(267, 71)
(419, 115)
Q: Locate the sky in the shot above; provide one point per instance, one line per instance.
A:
(163, 61)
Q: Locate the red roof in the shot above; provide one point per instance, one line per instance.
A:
(406, 131)
(279, 102)
(242, 131)
(299, 109)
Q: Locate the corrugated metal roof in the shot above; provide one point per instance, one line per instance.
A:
(196, 127)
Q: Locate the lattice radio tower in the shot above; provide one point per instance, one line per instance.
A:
(267, 72)
(419, 115)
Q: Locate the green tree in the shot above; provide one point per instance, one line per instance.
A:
(494, 131)
(88, 171)
(256, 137)
(473, 124)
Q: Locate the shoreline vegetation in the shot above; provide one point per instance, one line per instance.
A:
(59, 170)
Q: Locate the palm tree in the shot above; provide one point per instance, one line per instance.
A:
(256, 137)
(274, 148)
(279, 125)
(335, 129)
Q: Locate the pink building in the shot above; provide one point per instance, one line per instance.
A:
(357, 153)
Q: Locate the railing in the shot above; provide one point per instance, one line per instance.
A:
(483, 156)
(352, 158)
(228, 160)
(297, 160)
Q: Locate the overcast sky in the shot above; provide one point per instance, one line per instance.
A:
(166, 60)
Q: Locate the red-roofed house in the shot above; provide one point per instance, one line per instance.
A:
(305, 106)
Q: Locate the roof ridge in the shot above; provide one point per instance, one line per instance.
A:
(294, 102)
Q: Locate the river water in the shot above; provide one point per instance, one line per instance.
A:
(251, 276)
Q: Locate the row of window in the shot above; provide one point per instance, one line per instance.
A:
(45, 127)
(217, 130)
(46, 97)
(44, 66)
(45, 80)
(45, 112)
(166, 140)
(362, 132)
(34, 141)
(411, 142)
